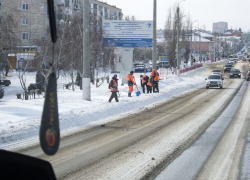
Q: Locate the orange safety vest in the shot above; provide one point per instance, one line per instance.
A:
(156, 76)
(143, 80)
(150, 81)
(130, 79)
(115, 86)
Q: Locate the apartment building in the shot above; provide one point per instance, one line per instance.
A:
(32, 20)
(32, 16)
(105, 10)
(220, 27)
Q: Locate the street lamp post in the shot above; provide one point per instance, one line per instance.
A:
(191, 39)
(154, 37)
(199, 29)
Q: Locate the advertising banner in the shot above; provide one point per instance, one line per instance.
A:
(128, 33)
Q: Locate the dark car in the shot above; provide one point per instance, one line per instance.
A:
(248, 76)
(4, 82)
(235, 73)
(228, 67)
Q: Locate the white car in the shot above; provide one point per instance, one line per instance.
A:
(214, 81)
(231, 61)
(217, 71)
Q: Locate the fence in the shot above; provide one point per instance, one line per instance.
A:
(173, 71)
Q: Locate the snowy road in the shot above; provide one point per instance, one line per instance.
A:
(140, 146)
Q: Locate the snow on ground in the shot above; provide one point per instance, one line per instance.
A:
(20, 119)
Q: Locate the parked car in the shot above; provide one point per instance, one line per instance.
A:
(217, 71)
(228, 67)
(140, 68)
(214, 81)
(234, 73)
(248, 76)
(243, 59)
(4, 81)
(162, 64)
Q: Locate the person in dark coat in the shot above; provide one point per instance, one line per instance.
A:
(114, 88)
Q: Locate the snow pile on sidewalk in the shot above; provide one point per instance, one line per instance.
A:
(20, 119)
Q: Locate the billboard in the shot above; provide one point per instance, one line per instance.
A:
(128, 33)
(163, 58)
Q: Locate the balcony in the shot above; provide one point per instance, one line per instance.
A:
(60, 2)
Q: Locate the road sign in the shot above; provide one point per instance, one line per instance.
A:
(208, 53)
(194, 52)
(128, 33)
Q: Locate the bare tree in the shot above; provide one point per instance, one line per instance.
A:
(8, 38)
(170, 34)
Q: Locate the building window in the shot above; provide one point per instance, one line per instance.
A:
(95, 9)
(66, 3)
(25, 21)
(25, 7)
(25, 36)
(0, 20)
(0, 6)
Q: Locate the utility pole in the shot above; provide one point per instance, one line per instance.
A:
(145, 62)
(86, 61)
(178, 53)
(191, 44)
(192, 40)
(199, 46)
(154, 37)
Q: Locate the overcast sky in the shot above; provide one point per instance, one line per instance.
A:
(235, 12)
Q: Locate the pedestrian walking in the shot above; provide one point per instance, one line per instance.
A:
(113, 85)
(144, 81)
(155, 77)
(131, 82)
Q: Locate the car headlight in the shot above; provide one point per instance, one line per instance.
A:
(239, 74)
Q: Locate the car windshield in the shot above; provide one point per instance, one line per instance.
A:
(228, 65)
(213, 77)
(235, 70)
(216, 70)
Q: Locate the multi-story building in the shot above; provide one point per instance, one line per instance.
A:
(32, 20)
(220, 27)
(33, 23)
(32, 16)
(105, 10)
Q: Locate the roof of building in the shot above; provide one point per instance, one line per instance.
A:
(197, 39)
(206, 34)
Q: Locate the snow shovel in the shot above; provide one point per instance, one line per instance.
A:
(138, 92)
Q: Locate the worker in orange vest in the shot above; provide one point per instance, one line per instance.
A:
(144, 81)
(150, 84)
(114, 88)
(155, 77)
(131, 82)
